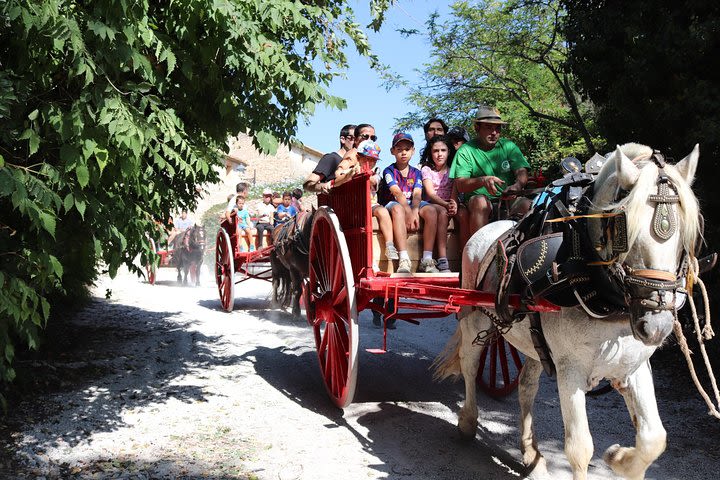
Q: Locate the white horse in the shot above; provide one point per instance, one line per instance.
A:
(586, 350)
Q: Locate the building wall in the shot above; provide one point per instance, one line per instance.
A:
(288, 164)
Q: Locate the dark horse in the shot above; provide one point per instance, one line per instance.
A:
(289, 260)
(189, 248)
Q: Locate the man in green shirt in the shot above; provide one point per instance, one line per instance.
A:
(487, 166)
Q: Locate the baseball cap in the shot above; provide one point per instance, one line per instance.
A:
(369, 149)
(458, 133)
(399, 137)
(267, 191)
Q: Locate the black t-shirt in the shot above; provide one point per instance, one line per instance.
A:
(327, 165)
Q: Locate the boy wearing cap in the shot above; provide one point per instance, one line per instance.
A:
(487, 166)
(265, 212)
(368, 153)
(401, 191)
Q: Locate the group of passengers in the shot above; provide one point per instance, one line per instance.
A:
(274, 210)
(458, 178)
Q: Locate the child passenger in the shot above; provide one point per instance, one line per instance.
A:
(285, 211)
(265, 213)
(401, 191)
(245, 229)
(441, 192)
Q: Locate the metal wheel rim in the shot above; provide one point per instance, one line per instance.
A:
(332, 311)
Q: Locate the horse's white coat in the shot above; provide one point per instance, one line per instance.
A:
(585, 350)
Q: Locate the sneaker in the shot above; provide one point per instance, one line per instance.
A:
(443, 265)
(391, 252)
(404, 266)
(252, 248)
(427, 265)
(242, 250)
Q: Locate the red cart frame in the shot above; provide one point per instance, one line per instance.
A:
(342, 283)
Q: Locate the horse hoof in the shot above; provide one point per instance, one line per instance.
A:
(612, 454)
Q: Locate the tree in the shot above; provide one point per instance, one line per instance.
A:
(653, 71)
(113, 112)
(512, 55)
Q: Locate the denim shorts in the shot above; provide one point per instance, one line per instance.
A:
(392, 203)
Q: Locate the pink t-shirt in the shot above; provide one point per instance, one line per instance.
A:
(440, 180)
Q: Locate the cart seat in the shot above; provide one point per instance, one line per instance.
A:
(415, 249)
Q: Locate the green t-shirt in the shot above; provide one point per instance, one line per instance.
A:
(471, 161)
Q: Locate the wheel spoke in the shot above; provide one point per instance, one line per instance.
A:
(493, 365)
(503, 362)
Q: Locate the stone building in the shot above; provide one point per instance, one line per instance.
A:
(244, 163)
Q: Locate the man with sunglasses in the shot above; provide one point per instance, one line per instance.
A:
(319, 181)
(487, 166)
(363, 132)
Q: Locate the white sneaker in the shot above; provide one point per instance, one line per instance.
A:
(404, 266)
(391, 252)
(427, 265)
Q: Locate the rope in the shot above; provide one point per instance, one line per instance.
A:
(589, 215)
(705, 334)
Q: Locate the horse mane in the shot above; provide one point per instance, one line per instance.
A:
(636, 200)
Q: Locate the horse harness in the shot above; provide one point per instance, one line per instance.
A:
(290, 236)
(549, 254)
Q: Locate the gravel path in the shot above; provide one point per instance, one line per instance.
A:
(159, 383)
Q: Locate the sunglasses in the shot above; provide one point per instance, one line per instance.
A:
(349, 137)
(369, 137)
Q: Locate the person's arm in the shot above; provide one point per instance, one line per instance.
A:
(315, 183)
(346, 169)
(230, 207)
(430, 192)
(521, 179)
(470, 184)
(413, 222)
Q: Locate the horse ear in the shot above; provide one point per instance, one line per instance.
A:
(627, 171)
(688, 165)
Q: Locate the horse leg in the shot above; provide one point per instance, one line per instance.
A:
(469, 364)
(650, 438)
(527, 390)
(296, 291)
(572, 384)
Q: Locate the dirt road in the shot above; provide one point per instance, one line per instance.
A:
(158, 382)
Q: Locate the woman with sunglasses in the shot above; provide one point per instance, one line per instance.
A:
(350, 165)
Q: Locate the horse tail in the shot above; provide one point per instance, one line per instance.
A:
(447, 363)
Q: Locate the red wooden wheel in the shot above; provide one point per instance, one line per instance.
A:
(331, 307)
(225, 270)
(499, 369)
(150, 268)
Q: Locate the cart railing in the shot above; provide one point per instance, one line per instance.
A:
(351, 203)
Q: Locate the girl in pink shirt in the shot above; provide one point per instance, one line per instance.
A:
(439, 190)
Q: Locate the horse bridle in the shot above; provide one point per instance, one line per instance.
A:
(639, 284)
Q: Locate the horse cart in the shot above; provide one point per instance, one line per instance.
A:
(185, 255)
(233, 266)
(342, 282)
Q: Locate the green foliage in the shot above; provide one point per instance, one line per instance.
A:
(653, 72)
(508, 54)
(113, 112)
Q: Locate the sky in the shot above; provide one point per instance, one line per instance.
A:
(367, 99)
